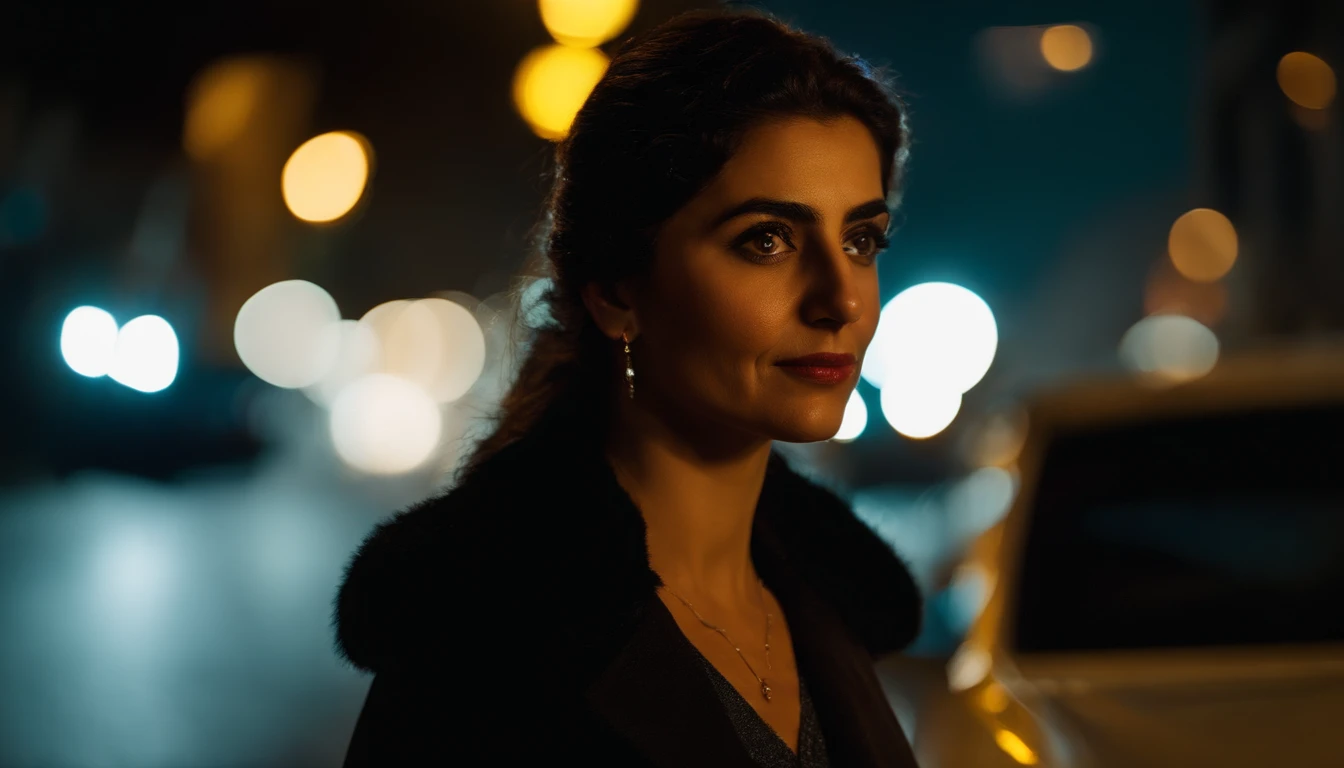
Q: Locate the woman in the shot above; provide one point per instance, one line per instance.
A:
(625, 574)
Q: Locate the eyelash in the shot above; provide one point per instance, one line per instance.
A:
(776, 229)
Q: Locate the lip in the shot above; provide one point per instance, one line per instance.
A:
(822, 367)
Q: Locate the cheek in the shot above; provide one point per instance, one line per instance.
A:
(742, 316)
(718, 319)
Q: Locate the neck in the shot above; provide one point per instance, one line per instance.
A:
(698, 504)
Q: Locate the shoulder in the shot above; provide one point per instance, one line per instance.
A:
(424, 563)
(501, 550)
(836, 554)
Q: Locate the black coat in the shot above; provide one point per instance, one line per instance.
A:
(514, 620)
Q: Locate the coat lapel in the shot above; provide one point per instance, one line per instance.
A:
(656, 695)
(860, 727)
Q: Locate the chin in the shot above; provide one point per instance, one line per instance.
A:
(809, 425)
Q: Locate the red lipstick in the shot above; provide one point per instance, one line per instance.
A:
(822, 368)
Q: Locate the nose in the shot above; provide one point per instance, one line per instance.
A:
(832, 299)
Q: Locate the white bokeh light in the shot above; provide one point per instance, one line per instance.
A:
(461, 298)
(408, 334)
(967, 667)
(450, 342)
(938, 335)
(435, 343)
(89, 341)
(382, 318)
(385, 425)
(147, 354)
(1170, 348)
(283, 333)
(357, 353)
(855, 419)
(919, 412)
(463, 346)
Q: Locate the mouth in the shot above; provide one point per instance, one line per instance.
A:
(821, 368)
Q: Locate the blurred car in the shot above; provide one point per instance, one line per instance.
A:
(1168, 586)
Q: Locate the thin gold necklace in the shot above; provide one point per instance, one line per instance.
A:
(765, 687)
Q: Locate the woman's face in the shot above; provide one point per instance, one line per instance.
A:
(771, 264)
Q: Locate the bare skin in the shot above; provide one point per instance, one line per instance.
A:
(725, 303)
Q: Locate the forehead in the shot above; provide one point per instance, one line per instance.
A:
(830, 165)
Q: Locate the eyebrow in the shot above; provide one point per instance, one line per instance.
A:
(798, 212)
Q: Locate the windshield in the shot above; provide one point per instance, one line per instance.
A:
(1217, 530)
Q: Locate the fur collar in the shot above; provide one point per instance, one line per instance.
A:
(541, 538)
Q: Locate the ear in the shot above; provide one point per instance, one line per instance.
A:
(611, 309)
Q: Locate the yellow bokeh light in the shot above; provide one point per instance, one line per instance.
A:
(993, 698)
(1202, 245)
(325, 177)
(1066, 47)
(1016, 748)
(552, 82)
(221, 101)
(586, 23)
(1307, 80)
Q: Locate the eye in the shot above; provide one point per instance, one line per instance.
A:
(765, 242)
(868, 243)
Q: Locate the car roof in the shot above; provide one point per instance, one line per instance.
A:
(1279, 377)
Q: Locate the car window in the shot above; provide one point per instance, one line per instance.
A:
(1216, 530)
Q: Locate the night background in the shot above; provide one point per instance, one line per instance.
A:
(168, 557)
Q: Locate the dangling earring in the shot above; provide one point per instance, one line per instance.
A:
(629, 368)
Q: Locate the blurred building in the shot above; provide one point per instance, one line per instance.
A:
(1273, 164)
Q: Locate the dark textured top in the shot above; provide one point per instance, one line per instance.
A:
(766, 746)
(621, 689)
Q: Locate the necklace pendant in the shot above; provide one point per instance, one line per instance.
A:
(765, 690)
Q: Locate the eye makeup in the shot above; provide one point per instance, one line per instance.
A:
(783, 232)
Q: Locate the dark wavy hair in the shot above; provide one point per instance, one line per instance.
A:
(669, 112)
